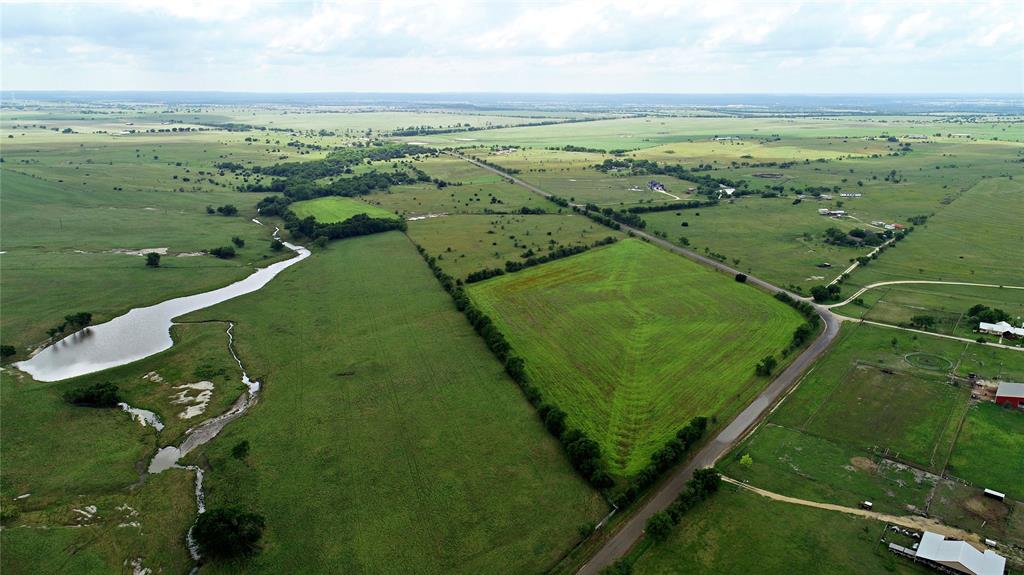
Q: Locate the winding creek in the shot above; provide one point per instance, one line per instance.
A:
(143, 332)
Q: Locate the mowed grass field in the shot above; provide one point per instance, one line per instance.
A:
(466, 243)
(337, 209)
(989, 450)
(388, 438)
(632, 341)
(741, 532)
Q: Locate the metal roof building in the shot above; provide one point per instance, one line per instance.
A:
(1001, 328)
(960, 556)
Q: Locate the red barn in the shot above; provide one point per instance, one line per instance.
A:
(1011, 394)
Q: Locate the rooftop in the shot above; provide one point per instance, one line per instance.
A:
(1010, 390)
(960, 555)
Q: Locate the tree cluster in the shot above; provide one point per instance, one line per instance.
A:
(228, 533)
(979, 313)
(73, 322)
(96, 395)
(705, 482)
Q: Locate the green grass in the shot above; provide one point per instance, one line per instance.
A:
(988, 450)
(973, 239)
(467, 243)
(632, 341)
(741, 532)
(387, 429)
(69, 457)
(473, 191)
(337, 209)
(58, 246)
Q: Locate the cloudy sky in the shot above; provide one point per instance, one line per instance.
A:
(530, 46)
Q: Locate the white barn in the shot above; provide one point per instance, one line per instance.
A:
(960, 556)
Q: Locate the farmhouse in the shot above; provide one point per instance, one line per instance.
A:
(1002, 329)
(1011, 394)
(959, 556)
(656, 186)
(850, 195)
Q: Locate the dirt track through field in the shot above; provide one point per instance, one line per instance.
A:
(858, 293)
(908, 521)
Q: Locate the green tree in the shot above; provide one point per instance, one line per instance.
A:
(659, 526)
(228, 532)
(240, 450)
(746, 460)
(239, 242)
(7, 351)
(153, 260)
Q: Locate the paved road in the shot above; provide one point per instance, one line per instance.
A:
(633, 527)
(897, 282)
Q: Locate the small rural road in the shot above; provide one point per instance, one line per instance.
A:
(632, 528)
(909, 521)
(861, 291)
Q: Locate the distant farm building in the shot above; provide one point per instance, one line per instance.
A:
(850, 195)
(832, 213)
(1001, 329)
(725, 138)
(959, 556)
(1011, 394)
(656, 186)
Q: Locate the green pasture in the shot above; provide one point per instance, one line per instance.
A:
(386, 428)
(474, 191)
(988, 450)
(632, 341)
(466, 243)
(337, 209)
(736, 531)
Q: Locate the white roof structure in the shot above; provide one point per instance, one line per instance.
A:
(960, 556)
(1001, 327)
(1010, 390)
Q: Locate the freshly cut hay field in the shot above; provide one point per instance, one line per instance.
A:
(742, 532)
(632, 341)
(388, 438)
(990, 449)
(337, 209)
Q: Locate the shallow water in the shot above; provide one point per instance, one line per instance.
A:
(139, 333)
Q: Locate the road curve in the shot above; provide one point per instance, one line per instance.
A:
(859, 292)
(632, 529)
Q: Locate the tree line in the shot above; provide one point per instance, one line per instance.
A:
(583, 452)
(529, 262)
(662, 460)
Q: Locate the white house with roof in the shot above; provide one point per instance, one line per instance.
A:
(1001, 328)
(959, 555)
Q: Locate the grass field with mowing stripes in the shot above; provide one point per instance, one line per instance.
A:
(632, 341)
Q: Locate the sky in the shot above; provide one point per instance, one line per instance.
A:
(592, 46)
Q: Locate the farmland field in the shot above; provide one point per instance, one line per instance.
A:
(335, 209)
(632, 341)
(382, 421)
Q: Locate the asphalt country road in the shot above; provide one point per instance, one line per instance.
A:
(633, 528)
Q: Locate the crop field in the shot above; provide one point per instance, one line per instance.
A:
(777, 538)
(394, 429)
(475, 191)
(466, 243)
(632, 341)
(336, 209)
(988, 450)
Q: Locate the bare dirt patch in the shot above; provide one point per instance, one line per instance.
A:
(864, 464)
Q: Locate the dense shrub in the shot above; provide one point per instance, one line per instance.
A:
(227, 533)
(96, 395)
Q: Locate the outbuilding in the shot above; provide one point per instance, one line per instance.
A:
(1011, 394)
(959, 556)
